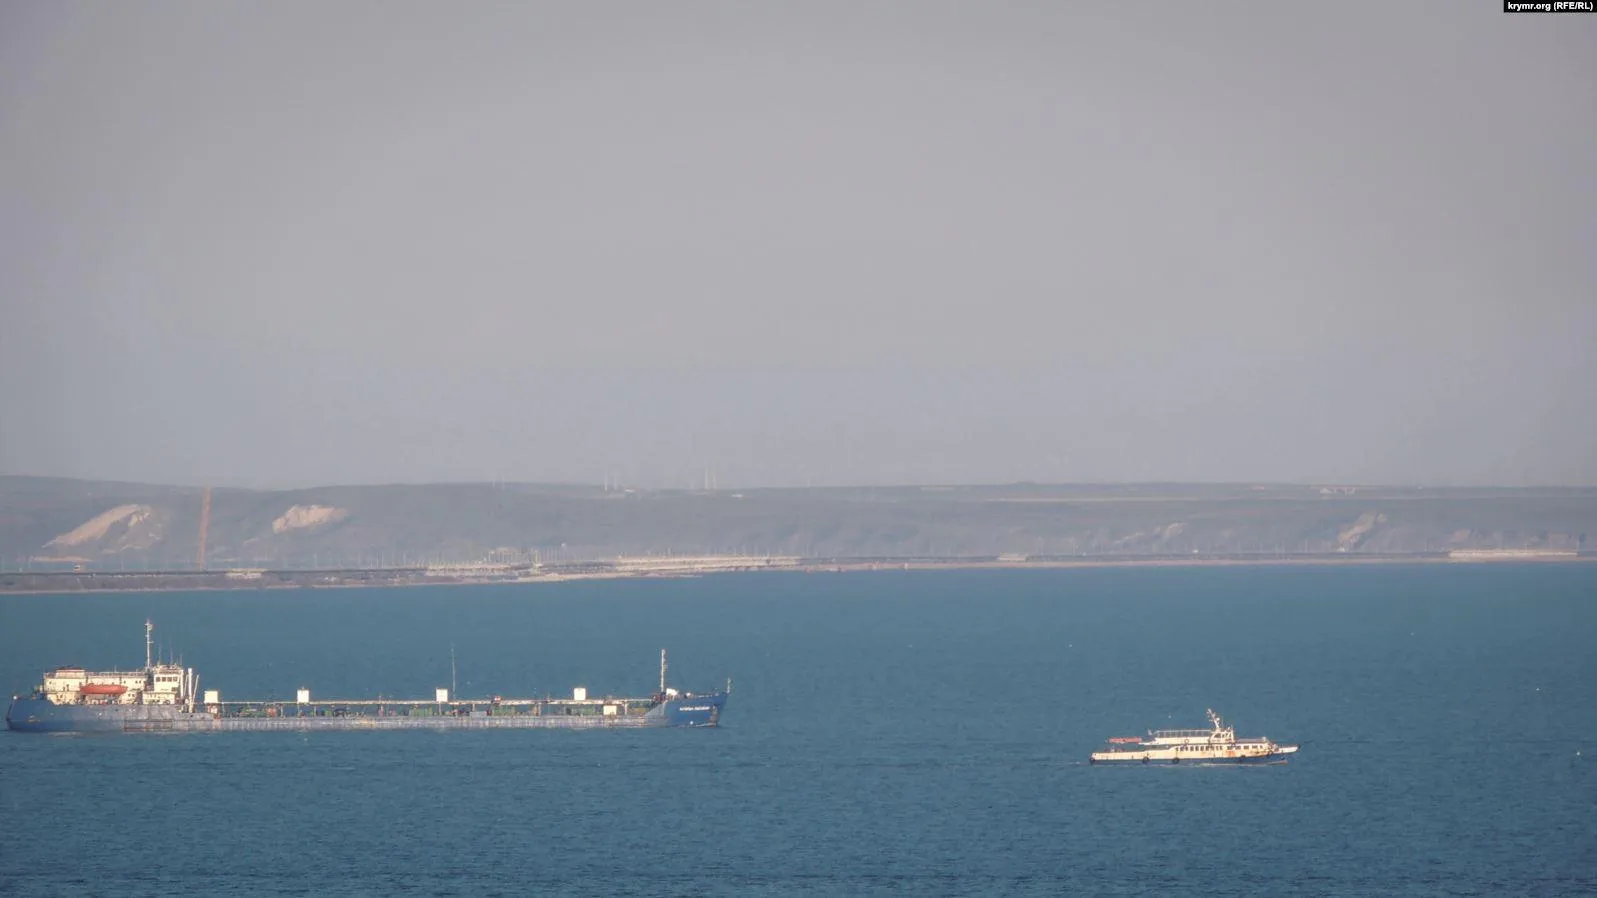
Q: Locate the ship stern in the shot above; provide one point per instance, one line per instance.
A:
(38, 715)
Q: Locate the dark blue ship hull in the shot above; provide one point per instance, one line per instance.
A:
(38, 715)
(694, 711)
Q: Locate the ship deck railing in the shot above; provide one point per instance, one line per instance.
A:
(417, 702)
(373, 709)
(399, 722)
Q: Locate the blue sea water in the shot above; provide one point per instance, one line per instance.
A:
(896, 732)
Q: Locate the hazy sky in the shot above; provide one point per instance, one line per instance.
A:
(299, 243)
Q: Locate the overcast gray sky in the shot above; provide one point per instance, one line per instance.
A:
(299, 243)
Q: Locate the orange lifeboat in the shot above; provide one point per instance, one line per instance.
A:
(102, 689)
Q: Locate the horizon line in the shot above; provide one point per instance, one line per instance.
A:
(941, 485)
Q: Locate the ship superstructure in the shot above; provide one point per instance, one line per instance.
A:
(166, 697)
(1217, 745)
(155, 684)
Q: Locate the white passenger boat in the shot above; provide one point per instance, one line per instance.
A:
(1217, 745)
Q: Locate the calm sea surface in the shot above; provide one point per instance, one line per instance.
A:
(888, 733)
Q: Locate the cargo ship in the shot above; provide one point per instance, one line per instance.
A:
(1217, 745)
(166, 697)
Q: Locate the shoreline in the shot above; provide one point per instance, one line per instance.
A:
(65, 583)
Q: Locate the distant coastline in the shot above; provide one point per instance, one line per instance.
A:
(58, 536)
(236, 580)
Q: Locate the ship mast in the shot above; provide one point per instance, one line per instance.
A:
(149, 641)
(662, 671)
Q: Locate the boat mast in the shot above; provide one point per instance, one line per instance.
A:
(454, 686)
(149, 641)
(662, 671)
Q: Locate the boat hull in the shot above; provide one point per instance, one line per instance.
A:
(37, 715)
